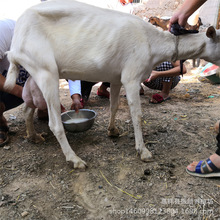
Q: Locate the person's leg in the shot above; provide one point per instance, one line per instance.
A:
(10, 101)
(3, 121)
(3, 126)
(141, 92)
(164, 92)
(165, 84)
(2, 118)
(106, 84)
(7, 101)
(214, 158)
(86, 88)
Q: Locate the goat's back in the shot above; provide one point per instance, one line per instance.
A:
(80, 37)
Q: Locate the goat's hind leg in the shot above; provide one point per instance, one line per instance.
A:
(29, 121)
(114, 102)
(53, 104)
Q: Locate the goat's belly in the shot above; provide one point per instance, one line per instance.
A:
(92, 75)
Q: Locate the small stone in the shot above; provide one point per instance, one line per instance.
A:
(25, 213)
(173, 178)
(171, 165)
(143, 178)
(12, 117)
(6, 147)
(131, 136)
(161, 129)
(199, 150)
(14, 130)
(187, 95)
(147, 172)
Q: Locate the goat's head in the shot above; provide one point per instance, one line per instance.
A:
(213, 46)
(153, 20)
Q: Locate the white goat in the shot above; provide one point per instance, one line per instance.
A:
(72, 40)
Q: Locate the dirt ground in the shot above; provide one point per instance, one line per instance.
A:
(36, 183)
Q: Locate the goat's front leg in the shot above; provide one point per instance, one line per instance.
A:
(29, 121)
(132, 91)
(114, 101)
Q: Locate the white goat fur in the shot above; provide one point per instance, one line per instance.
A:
(72, 40)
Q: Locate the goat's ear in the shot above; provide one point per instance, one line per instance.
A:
(211, 33)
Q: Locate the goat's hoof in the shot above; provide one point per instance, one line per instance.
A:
(146, 155)
(77, 163)
(37, 138)
(113, 132)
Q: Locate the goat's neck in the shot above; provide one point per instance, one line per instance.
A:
(191, 46)
(163, 47)
(173, 48)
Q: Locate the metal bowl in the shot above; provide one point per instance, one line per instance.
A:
(78, 122)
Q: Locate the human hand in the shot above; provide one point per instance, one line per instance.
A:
(179, 18)
(76, 104)
(186, 10)
(17, 90)
(153, 76)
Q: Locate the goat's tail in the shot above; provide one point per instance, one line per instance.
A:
(12, 74)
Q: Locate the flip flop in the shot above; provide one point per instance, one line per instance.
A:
(206, 172)
(4, 135)
(103, 95)
(159, 98)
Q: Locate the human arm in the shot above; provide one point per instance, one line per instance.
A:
(17, 90)
(75, 93)
(6, 33)
(187, 9)
(175, 71)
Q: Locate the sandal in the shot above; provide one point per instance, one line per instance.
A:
(159, 99)
(206, 172)
(102, 94)
(4, 135)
